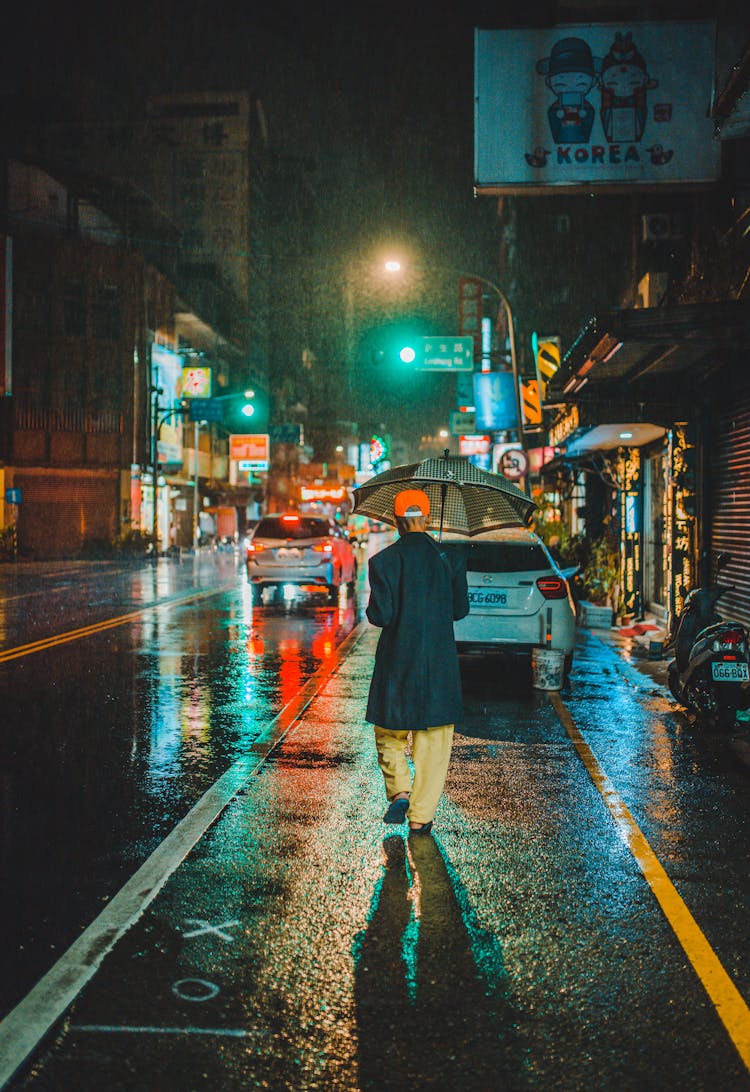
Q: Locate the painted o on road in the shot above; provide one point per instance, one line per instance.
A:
(194, 989)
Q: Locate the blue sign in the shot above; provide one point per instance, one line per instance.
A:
(495, 401)
(285, 434)
(206, 409)
(12, 496)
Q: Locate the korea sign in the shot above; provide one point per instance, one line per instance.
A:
(595, 105)
(445, 354)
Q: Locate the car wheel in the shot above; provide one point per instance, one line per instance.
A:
(256, 595)
(333, 594)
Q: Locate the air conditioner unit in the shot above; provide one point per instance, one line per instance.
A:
(658, 226)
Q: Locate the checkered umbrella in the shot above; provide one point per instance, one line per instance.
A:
(463, 499)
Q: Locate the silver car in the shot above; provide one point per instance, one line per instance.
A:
(299, 552)
(518, 597)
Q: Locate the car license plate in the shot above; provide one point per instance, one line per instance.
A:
(285, 551)
(729, 672)
(488, 597)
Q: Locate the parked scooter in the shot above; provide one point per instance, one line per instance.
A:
(710, 674)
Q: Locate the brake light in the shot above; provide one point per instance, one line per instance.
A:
(552, 587)
(323, 547)
(731, 639)
(290, 519)
(255, 547)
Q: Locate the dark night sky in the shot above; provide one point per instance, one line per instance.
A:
(379, 95)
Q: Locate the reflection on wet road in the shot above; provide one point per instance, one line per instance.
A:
(302, 944)
(126, 692)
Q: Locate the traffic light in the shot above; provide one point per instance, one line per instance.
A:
(397, 344)
(247, 411)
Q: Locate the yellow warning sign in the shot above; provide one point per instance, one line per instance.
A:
(547, 361)
(531, 404)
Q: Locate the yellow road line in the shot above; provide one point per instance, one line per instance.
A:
(727, 999)
(100, 627)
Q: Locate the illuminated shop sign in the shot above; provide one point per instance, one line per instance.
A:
(682, 526)
(473, 445)
(196, 382)
(328, 494)
(629, 474)
(564, 426)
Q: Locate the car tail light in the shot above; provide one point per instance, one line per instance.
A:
(323, 547)
(552, 587)
(731, 639)
(255, 547)
(290, 519)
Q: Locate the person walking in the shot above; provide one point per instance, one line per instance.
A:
(416, 591)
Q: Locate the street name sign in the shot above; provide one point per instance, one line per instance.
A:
(445, 354)
(206, 409)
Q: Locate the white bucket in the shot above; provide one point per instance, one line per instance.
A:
(547, 668)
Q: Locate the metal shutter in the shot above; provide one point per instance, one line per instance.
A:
(60, 512)
(730, 517)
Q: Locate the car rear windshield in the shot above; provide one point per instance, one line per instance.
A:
(275, 527)
(500, 557)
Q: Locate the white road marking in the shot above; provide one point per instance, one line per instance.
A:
(106, 1029)
(205, 927)
(185, 989)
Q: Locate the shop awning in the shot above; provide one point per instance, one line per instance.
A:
(653, 358)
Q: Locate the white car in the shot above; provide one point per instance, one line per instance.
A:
(518, 597)
(297, 551)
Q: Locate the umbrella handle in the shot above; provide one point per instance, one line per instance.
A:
(443, 491)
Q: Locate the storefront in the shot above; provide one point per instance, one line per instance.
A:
(650, 379)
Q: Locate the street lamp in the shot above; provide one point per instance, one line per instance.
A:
(392, 265)
(161, 414)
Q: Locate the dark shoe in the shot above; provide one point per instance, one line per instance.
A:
(426, 828)
(397, 810)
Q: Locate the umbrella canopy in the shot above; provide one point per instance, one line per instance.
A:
(463, 499)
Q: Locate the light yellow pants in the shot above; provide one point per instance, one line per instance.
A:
(431, 752)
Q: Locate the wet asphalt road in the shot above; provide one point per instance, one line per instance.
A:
(302, 944)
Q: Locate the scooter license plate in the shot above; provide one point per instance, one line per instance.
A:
(729, 672)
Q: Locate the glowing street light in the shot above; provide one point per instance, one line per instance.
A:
(392, 265)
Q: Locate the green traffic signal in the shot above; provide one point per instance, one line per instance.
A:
(407, 354)
(247, 411)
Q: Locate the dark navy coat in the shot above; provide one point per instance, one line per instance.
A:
(416, 591)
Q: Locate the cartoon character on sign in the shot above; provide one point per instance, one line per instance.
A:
(624, 83)
(571, 71)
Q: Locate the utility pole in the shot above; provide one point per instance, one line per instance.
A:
(156, 429)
